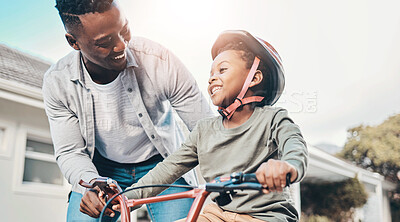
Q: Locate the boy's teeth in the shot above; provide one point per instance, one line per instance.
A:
(215, 89)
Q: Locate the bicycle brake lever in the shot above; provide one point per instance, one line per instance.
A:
(104, 183)
(288, 179)
(85, 184)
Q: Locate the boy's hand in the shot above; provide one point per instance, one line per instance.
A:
(93, 202)
(272, 175)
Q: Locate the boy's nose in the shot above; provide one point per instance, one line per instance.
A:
(211, 79)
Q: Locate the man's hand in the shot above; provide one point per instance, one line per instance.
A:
(272, 175)
(93, 202)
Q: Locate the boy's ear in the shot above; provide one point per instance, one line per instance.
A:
(72, 41)
(257, 79)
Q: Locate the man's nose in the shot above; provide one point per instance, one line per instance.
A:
(120, 45)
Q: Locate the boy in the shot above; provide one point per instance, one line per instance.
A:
(250, 136)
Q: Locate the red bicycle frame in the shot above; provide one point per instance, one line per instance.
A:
(200, 196)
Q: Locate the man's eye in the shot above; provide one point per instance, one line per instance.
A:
(104, 45)
(222, 70)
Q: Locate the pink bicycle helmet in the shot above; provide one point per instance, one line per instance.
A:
(266, 53)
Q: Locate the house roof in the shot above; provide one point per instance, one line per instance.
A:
(324, 167)
(22, 68)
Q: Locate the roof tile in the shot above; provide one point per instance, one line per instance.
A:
(20, 67)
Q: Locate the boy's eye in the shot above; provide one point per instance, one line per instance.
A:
(222, 70)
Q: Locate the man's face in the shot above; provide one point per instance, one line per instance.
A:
(103, 39)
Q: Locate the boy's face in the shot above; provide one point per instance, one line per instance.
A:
(228, 73)
(103, 39)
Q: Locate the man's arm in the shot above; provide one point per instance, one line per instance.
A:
(69, 146)
(184, 93)
(166, 172)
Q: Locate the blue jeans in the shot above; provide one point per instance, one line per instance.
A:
(126, 175)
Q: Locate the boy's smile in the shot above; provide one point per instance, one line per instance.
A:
(228, 73)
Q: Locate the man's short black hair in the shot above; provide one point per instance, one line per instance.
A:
(69, 10)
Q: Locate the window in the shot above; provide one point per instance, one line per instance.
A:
(7, 129)
(40, 166)
(36, 171)
(1, 135)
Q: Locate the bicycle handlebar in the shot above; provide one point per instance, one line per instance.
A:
(225, 186)
(246, 181)
(238, 181)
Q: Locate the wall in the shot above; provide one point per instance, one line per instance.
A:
(19, 203)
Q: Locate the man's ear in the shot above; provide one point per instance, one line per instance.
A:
(257, 79)
(72, 41)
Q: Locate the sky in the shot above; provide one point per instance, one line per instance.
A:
(341, 58)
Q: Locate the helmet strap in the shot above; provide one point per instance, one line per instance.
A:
(239, 100)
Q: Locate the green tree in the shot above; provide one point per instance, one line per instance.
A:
(377, 148)
(335, 200)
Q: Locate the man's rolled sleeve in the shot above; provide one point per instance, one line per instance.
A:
(69, 145)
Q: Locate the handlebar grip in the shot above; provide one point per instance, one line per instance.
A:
(251, 177)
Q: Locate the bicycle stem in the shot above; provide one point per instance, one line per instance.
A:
(200, 196)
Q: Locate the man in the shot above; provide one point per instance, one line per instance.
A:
(111, 104)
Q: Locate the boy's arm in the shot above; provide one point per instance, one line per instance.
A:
(291, 145)
(166, 172)
(292, 153)
(169, 170)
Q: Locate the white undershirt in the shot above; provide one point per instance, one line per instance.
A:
(119, 136)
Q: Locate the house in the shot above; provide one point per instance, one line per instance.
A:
(32, 186)
(31, 178)
(324, 167)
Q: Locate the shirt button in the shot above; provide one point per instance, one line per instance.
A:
(152, 136)
(130, 90)
(140, 114)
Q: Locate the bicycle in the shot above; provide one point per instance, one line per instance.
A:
(224, 185)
